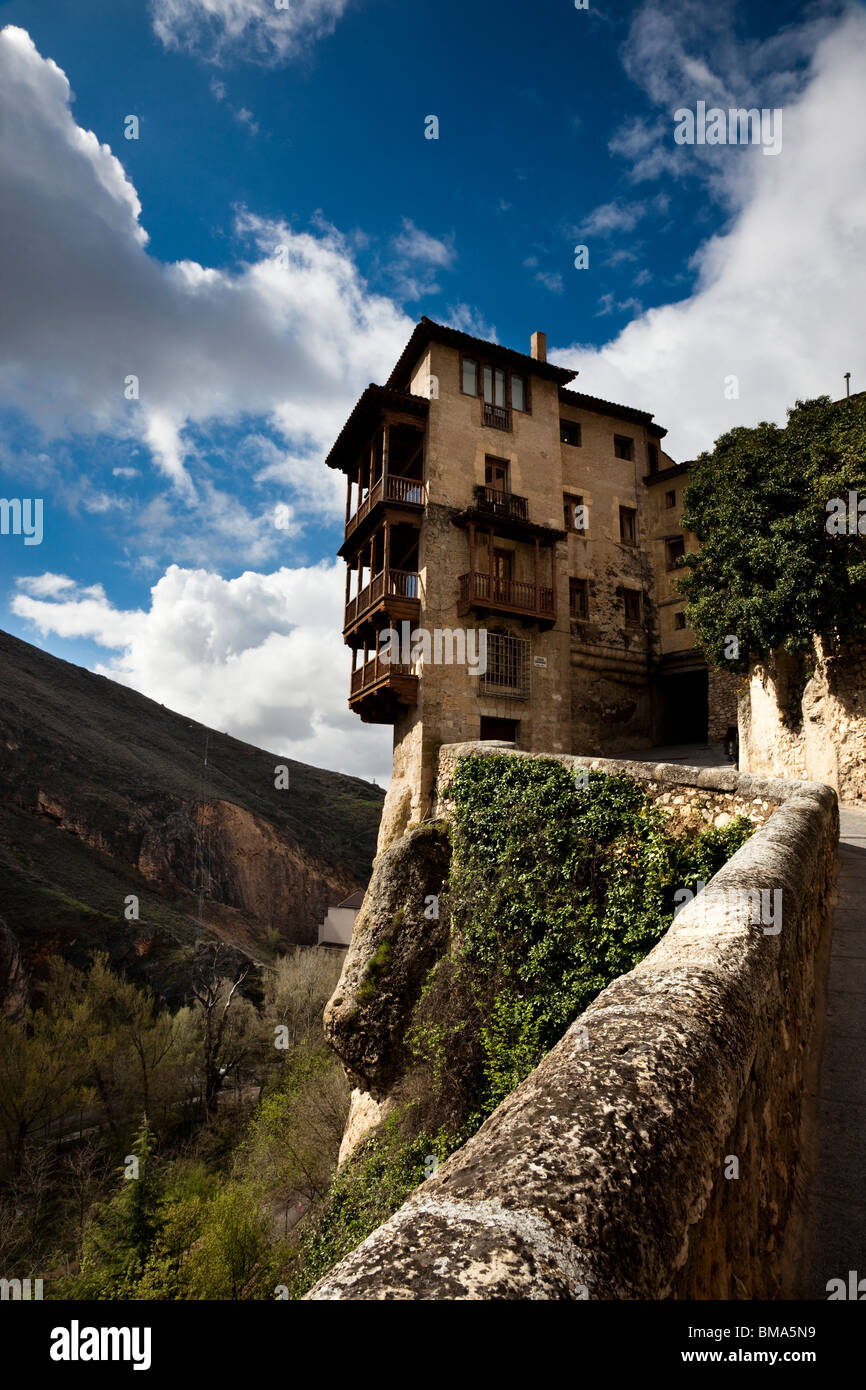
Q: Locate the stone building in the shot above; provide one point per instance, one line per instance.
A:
(527, 534)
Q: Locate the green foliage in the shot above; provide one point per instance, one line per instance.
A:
(364, 1193)
(376, 971)
(554, 891)
(767, 571)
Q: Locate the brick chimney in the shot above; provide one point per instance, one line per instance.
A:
(539, 347)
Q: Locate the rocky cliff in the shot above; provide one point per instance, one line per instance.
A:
(127, 826)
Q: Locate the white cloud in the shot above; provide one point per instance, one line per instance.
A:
(780, 299)
(293, 335)
(259, 656)
(415, 258)
(263, 31)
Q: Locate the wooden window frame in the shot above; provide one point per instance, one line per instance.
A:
(624, 439)
(570, 499)
(671, 498)
(680, 621)
(626, 594)
(578, 585)
(480, 364)
(632, 512)
(669, 541)
(571, 424)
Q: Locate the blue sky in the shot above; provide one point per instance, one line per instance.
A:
(304, 130)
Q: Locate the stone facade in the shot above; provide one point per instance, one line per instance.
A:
(548, 519)
(656, 1151)
(806, 717)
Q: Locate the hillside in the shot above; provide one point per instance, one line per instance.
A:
(106, 794)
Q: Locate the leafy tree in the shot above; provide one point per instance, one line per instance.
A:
(768, 571)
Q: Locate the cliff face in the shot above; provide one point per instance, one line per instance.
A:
(106, 796)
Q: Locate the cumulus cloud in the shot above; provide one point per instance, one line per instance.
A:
(780, 297)
(263, 31)
(293, 335)
(259, 656)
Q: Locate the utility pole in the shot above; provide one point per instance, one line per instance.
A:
(847, 383)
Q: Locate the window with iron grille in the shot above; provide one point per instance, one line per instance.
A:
(507, 671)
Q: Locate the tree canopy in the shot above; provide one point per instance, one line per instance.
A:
(777, 563)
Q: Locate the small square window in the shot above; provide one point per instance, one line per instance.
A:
(470, 377)
(623, 446)
(679, 621)
(675, 549)
(628, 525)
(578, 598)
(671, 498)
(631, 603)
(569, 433)
(575, 513)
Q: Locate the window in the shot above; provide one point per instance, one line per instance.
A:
(507, 673)
(631, 602)
(671, 498)
(623, 446)
(501, 390)
(575, 513)
(496, 473)
(502, 730)
(494, 386)
(679, 621)
(652, 451)
(569, 433)
(628, 525)
(675, 549)
(578, 599)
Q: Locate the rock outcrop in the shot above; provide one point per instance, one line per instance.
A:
(106, 796)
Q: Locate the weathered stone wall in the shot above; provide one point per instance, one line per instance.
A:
(609, 1172)
(807, 718)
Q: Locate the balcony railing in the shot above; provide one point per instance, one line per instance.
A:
(514, 595)
(404, 584)
(407, 492)
(495, 502)
(497, 416)
(374, 671)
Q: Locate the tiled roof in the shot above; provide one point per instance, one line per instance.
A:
(427, 331)
(363, 418)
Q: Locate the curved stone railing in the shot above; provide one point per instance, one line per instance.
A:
(654, 1152)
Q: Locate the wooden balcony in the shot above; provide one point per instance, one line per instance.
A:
(498, 417)
(522, 599)
(491, 501)
(379, 689)
(400, 492)
(397, 590)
